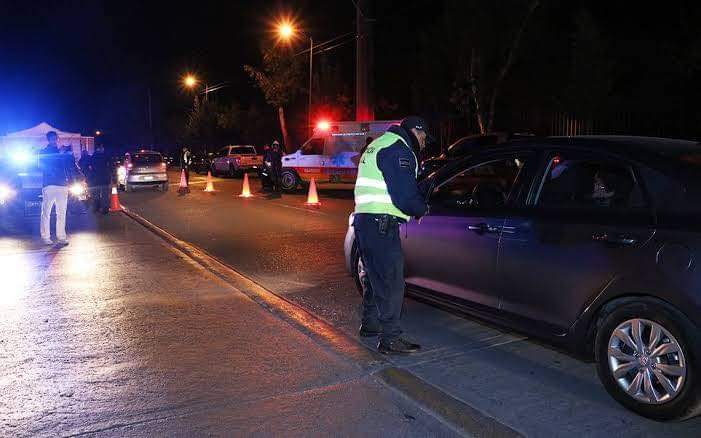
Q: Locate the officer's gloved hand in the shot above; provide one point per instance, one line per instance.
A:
(428, 209)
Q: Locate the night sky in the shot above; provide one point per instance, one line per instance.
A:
(87, 65)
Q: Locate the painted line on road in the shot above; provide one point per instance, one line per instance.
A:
(454, 412)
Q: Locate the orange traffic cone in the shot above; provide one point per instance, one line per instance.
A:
(312, 198)
(183, 184)
(210, 183)
(115, 206)
(246, 189)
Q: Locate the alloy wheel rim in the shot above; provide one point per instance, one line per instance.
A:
(646, 361)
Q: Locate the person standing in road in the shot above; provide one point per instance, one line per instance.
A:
(185, 163)
(100, 179)
(386, 196)
(276, 166)
(84, 163)
(58, 171)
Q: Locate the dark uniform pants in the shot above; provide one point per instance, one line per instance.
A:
(101, 196)
(383, 262)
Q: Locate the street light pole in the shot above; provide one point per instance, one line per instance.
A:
(311, 66)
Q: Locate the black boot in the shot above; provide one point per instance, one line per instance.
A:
(397, 346)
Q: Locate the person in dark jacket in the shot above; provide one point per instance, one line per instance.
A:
(275, 160)
(186, 163)
(58, 172)
(84, 163)
(265, 171)
(100, 179)
(387, 195)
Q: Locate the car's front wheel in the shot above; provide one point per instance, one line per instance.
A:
(647, 358)
(289, 180)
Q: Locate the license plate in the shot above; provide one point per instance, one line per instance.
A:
(148, 178)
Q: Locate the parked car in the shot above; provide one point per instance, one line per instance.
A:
(590, 243)
(143, 168)
(202, 163)
(235, 160)
(464, 146)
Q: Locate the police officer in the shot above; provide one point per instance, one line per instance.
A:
(386, 195)
(186, 163)
(276, 166)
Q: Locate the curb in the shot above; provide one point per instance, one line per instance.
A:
(457, 413)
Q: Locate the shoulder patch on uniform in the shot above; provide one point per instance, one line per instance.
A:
(404, 162)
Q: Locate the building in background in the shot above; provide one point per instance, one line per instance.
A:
(35, 139)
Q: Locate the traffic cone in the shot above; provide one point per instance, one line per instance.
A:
(246, 189)
(183, 189)
(312, 197)
(210, 183)
(115, 206)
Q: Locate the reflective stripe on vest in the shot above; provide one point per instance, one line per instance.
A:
(371, 194)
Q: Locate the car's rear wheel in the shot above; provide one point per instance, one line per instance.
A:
(232, 171)
(647, 359)
(289, 180)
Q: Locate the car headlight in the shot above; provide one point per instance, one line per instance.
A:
(20, 157)
(6, 193)
(77, 189)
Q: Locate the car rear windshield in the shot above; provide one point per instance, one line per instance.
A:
(240, 150)
(142, 159)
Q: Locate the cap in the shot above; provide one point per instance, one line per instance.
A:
(416, 122)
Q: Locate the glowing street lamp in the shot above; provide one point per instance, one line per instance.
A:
(285, 30)
(98, 132)
(190, 81)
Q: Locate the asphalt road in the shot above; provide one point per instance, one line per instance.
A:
(297, 252)
(118, 335)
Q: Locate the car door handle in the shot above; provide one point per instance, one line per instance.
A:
(619, 239)
(482, 228)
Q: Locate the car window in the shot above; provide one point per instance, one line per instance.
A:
(314, 146)
(223, 152)
(146, 158)
(239, 150)
(576, 182)
(484, 186)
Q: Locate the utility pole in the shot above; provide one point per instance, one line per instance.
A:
(364, 105)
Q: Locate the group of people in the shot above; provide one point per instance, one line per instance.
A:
(59, 172)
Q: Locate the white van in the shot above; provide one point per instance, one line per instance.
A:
(330, 156)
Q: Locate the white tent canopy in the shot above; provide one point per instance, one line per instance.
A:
(41, 130)
(35, 138)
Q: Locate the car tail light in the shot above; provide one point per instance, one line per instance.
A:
(164, 165)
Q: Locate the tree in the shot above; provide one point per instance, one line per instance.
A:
(280, 79)
(484, 44)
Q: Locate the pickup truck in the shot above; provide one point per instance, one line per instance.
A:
(234, 160)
